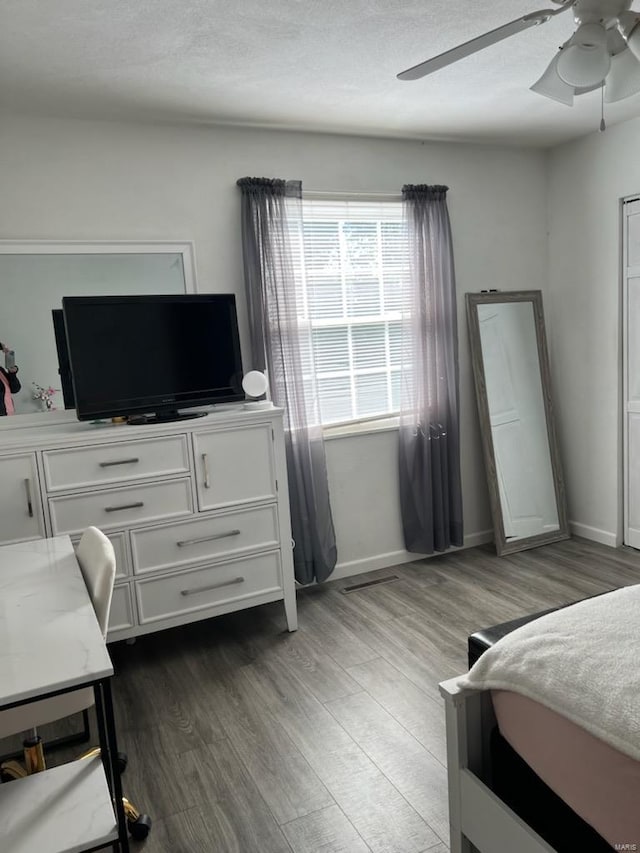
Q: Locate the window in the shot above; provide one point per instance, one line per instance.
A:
(352, 263)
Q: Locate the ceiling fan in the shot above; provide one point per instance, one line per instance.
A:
(603, 51)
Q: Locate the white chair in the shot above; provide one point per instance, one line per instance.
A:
(98, 565)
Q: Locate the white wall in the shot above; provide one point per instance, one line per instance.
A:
(66, 179)
(587, 179)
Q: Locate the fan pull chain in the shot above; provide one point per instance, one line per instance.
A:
(603, 125)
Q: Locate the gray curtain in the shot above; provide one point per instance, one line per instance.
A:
(429, 452)
(271, 216)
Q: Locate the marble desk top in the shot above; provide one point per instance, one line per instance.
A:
(49, 635)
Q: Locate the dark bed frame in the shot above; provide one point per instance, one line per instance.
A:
(519, 787)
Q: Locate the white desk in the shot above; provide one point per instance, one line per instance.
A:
(51, 643)
(50, 639)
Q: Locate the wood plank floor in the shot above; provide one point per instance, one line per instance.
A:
(243, 738)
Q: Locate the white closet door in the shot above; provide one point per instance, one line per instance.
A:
(631, 379)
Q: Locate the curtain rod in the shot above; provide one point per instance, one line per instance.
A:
(321, 195)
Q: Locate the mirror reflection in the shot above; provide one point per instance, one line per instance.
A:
(517, 419)
(513, 398)
(32, 287)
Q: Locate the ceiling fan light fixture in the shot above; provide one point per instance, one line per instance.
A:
(629, 29)
(623, 80)
(552, 86)
(585, 61)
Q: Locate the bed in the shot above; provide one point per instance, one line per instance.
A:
(543, 735)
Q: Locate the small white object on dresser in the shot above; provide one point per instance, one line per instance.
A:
(197, 510)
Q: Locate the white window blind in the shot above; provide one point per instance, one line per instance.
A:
(352, 264)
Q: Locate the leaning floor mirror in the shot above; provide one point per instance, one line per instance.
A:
(511, 372)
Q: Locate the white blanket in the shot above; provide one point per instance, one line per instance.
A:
(582, 661)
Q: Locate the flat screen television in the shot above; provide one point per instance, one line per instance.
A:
(147, 357)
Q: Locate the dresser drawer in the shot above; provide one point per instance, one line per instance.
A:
(199, 589)
(234, 466)
(121, 549)
(218, 536)
(113, 508)
(101, 465)
(121, 615)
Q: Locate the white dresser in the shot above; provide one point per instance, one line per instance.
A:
(198, 511)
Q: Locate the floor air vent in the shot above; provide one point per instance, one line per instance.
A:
(356, 587)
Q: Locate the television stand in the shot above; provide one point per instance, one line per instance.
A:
(164, 417)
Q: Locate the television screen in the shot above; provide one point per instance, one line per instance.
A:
(152, 354)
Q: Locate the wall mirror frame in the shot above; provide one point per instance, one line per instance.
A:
(519, 438)
(31, 269)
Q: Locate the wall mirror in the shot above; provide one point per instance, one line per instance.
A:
(35, 276)
(511, 372)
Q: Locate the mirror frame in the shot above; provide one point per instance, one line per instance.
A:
(473, 300)
(95, 247)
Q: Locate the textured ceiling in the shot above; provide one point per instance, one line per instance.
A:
(326, 65)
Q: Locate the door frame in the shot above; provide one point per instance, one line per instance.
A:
(628, 204)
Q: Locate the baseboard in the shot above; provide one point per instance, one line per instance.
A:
(396, 558)
(479, 538)
(471, 540)
(594, 533)
(370, 564)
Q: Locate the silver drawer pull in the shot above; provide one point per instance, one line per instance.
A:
(211, 538)
(136, 505)
(205, 463)
(27, 488)
(196, 589)
(119, 462)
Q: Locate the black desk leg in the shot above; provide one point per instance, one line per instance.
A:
(109, 753)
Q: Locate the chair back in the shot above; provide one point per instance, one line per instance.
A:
(97, 561)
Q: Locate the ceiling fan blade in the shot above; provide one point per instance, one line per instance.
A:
(479, 43)
(551, 85)
(623, 80)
